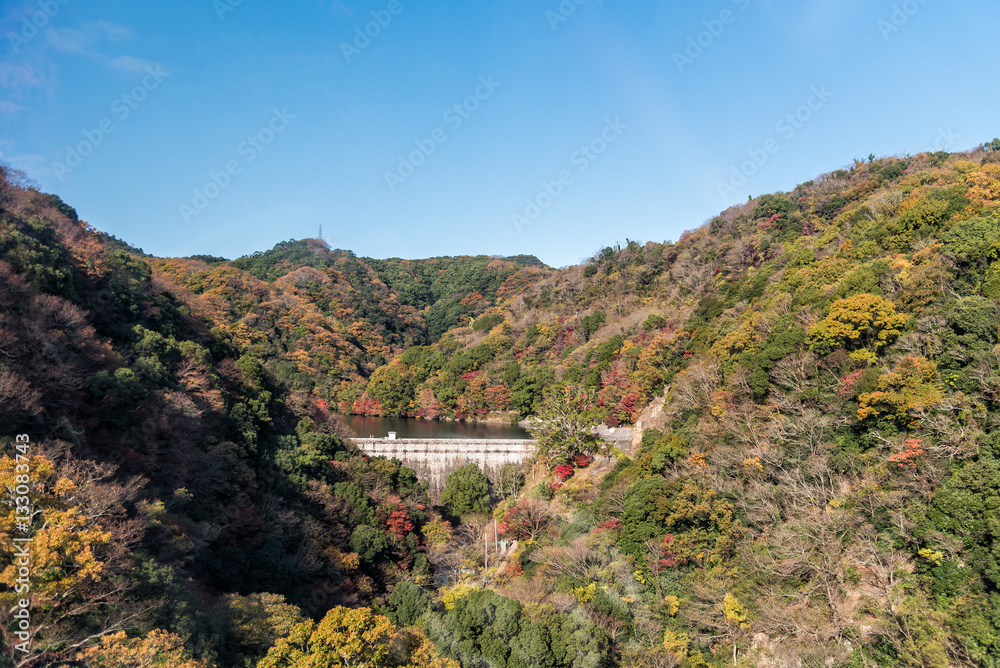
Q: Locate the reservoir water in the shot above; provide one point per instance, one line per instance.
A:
(408, 428)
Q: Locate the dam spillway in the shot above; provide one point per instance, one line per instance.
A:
(434, 459)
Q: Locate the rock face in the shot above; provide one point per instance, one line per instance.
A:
(651, 416)
(434, 459)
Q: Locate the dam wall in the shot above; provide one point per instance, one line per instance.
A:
(434, 459)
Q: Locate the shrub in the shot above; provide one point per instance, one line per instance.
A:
(487, 322)
(654, 322)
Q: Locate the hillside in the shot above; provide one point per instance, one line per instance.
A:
(817, 374)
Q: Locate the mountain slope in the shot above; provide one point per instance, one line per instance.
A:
(818, 487)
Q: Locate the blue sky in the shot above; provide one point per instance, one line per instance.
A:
(225, 126)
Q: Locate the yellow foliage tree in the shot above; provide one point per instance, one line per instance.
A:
(860, 321)
(676, 644)
(257, 621)
(985, 183)
(353, 637)
(910, 390)
(158, 649)
(67, 558)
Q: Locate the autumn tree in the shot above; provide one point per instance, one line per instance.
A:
(907, 393)
(528, 520)
(350, 637)
(258, 620)
(80, 542)
(985, 183)
(864, 323)
(157, 649)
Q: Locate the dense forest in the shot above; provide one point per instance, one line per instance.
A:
(814, 376)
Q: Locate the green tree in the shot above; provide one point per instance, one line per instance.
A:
(967, 508)
(592, 323)
(484, 629)
(487, 322)
(565, 423)
(368, 542)
(654, 321)
(975, 242)
(393, 386)
(467, 490)
(407, 604)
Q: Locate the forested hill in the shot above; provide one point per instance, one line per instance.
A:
(817, 373)
(322, 320)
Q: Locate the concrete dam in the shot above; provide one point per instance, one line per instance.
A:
(434, 459)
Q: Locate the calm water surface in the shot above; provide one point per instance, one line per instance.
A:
(407, 428)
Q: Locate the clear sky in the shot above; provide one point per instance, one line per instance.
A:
(225, 126)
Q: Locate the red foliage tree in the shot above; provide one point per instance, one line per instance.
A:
(563, 472)
(399, 523)
(845, 390)
(610, 525)
(907, 457)
(529, 519)
(669, 556)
